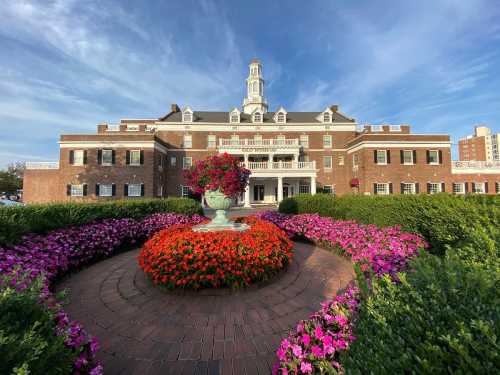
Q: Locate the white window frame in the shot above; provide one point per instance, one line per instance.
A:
(211, 141)
(185, 191)
(382, 188)
(395, 128)
(412, 188)
(355, 160)
(281, 117)
(434, 184)
(109, 152)
(187, 115)
(304, 189)
(260, 118)
(133, 127)
(185, 164)
(379, 152)
(411, 157)
(160, 191)
(257, 139)
(106, 190)
(235, 140)
(437, 157)
(173, 161)
(131, 158)
(137, 188)
(475, 190)
(280, 139)
(234, 117)
(77, 190)
(304, 140)
(329, 158)
(458, 184)
(328, 187)
(377, 128)
(341, 160)
(327, 141)
(78, 157)
(325, 119)
(187, 141)
(497, 187)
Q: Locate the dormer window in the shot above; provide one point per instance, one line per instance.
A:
(280, 116)
(187, 115)
(257, 117)
(234, 116)
(327, 117)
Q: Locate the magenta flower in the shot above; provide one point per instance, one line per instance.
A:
(306, 339)
(306, 368)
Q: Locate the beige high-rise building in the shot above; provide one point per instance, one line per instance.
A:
(482, 146)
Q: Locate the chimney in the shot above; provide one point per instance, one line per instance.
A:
(334, 107)
(174, 108)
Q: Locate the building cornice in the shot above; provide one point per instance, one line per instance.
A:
(398, 144)
(113, 144)
(295, 127)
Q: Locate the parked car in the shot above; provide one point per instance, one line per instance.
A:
(8, 202)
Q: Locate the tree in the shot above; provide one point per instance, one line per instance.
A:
(11, 179)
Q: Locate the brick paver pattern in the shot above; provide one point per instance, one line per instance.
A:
(144, 329)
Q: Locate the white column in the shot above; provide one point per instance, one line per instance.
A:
(203, 205)
(313, 185)
(247, 195)
(246, 160)
(296, 157)
(270, 160)
(280, 189)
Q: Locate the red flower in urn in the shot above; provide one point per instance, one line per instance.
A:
(219, 172)
(354, 182)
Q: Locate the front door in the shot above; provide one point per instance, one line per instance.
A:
(285, 191)
(258, 193)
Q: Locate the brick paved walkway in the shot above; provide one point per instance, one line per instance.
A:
(144, 330)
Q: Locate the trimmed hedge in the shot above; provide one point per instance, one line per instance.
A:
(41, 218)
(443, 220)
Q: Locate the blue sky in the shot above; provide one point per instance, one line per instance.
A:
(67, 65)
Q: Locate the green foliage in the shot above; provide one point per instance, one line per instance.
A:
(443, 220)
(16, 221)
(444, 317)
(11, 179)
(28, 344)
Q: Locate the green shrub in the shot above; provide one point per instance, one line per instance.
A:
(443, 220)
(28, 344)
(442, 318)
(40, 218)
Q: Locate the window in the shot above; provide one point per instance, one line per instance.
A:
(187, 116)
(160, 191)
(78, 157)
(187, 162)
(478, 187)
(161, 161)
(377, 128)
(107, 157)
(173, 161)
(328, 189)
(433, 157)
(211, 141)
(433, 188)
(77, 190)
(327, 141)
(458, 188)
(327, 162)
(280, 139)
(134, 190)
(135, 157)
(132, 128)
(327, 117)
(381, 157)
(408, 188)
(407, 157)
(304, 189)
(235, 118)
(395, 128)
(497, 187)
(355, 160)
(304, 140)
(257, 117)
(185, 191)
(341, 160)
(280, 117)
(187, 141)
(105, 190)
(382, 189)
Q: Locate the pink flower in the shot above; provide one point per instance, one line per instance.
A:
(306, 339)
(317, 351)
(306, 368)
(297, 351)
(318, 332)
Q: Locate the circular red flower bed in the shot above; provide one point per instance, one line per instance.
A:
(178, 257)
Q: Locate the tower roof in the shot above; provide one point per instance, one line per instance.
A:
(255, 61)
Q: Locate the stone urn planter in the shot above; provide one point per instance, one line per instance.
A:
(220, 203)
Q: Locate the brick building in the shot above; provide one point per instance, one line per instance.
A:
(287, 152)
(482, 146)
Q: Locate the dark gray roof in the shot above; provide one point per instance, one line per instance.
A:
(223, 117)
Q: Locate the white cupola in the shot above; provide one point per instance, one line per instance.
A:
(234, 116)
(280, 116)
(255, 89)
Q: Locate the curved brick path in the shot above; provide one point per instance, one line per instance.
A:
(144, 330)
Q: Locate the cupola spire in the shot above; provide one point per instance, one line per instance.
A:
(255, 89)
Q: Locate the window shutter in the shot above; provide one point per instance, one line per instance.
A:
(68, 190)
(417, 188)
(99, 157)
(473, 187)
(428, 187)
(96, 190)
(85, 157)
(414, 156)
(125, 189)
(428, 156)
(375, 189)
(72, 157)
(142, 157)
(401, 185)
(440, 157)
(466, 187)
(113, 190)
(113, 156)
(402, 157)
(388, 153)
(375, 156)
(390, 187)
(128, 157)
(142, 189)
(85, 190)
(486, 187)
(443, 187)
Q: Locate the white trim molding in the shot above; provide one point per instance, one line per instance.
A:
(113, 144)
(398, 144)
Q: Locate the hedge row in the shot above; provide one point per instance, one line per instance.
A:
(443, 220)
(41, 218)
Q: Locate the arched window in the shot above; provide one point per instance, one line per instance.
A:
(257, 117)
(327, 117)
(281, 117)
(235, 117)
(255, 87)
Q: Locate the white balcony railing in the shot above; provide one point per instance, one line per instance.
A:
(475, 166)
(238, 143)
(113, 128)
(282, 165)
(42, 165)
